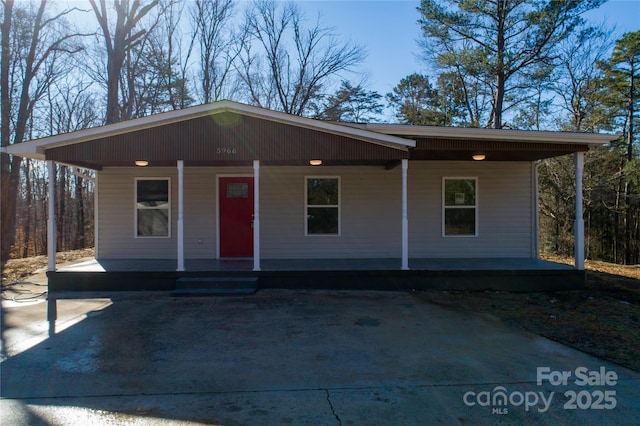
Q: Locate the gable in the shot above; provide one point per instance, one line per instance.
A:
(224, 139)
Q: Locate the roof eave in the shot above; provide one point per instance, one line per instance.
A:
(592, 139)
(25, 149)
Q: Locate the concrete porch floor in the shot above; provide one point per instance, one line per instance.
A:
(508, 274)
(237, 265)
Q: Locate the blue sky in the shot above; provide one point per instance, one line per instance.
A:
(389, 31)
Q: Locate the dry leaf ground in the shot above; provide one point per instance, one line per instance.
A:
(603, 319)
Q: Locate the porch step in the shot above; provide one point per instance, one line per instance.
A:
(215, 286)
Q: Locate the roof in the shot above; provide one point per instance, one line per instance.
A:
(36, 148)
(231, 133)
(457, 143)
(506, 135)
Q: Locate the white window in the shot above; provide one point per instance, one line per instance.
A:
(322, 205)
(153, 207)
(460, 206)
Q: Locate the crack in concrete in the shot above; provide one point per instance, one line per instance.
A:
(333, 411)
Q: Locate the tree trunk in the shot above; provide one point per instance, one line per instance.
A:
(498, 103)
(6, 209)
(28, 201)
(10, 184)
(627, 190)
(616, 223)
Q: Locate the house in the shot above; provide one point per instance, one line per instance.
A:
(241, 191)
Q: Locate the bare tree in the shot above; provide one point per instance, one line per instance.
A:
(218, 44)
(170, 61)
(33, 43)
(71, 108)
(119, 42)
(285, 65)
(575, 80)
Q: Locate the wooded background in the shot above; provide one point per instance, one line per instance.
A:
(493, 63)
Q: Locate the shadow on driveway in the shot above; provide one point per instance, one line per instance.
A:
(290, 357)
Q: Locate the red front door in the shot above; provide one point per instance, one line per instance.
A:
(236, 216)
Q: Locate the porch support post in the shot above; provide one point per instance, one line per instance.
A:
(256, 215)
(180, 215)
(51, 220)
(405, 219)
(535, 211)
(579, 222)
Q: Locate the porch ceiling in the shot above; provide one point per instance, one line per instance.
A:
(464, 149)
(206, 142)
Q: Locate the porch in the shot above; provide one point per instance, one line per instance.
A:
(504, 274)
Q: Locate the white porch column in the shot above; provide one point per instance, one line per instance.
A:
(579, 222)
(51, 220)
(535, 211)
(405, 219)
(256, 215)
(180, 215)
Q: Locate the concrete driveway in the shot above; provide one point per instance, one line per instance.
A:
(295, 357)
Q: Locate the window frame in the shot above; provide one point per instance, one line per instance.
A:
(306, 206)
(474, 206)
(136, 208)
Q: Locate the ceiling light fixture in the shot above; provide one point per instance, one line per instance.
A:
(479, 156)
(142, 163)
(315, 162)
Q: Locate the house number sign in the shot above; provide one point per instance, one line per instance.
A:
(226, 150)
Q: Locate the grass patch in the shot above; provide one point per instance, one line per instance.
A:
(19, 269)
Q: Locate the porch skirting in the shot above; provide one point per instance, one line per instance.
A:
(336, 274)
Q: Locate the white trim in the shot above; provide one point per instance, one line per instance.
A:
(579, 221)
(217, 189)
(405, 219)
(256, 215)
(339, 206)
(51, 219)
(135, 207)
(535, 211)
(180, 224)
(76, 172)
(475, 206)
(507, 135)
(96, 217)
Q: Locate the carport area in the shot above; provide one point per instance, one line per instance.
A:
(301, 357)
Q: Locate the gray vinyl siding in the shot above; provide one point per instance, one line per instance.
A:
(117, 213)
(504, 203)
(117, 216)
(370, 209)
(370, 212)
(200, 226)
